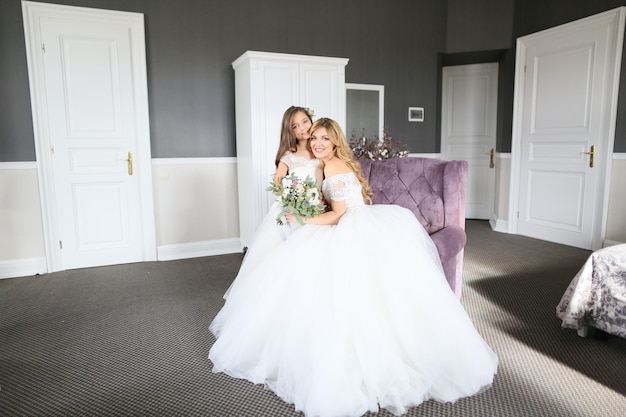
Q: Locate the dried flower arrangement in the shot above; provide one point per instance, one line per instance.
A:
(384, 147)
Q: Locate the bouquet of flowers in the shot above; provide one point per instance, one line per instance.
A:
(302, 198)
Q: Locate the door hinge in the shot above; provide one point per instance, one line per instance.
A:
(52, 149)
(43, 48)
(60, 244)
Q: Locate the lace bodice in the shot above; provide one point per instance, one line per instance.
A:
(344, 187)
(303, 167)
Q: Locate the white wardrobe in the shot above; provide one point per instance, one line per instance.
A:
(266, 84)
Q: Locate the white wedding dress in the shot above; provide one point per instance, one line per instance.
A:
(345, 319)
(269, 235)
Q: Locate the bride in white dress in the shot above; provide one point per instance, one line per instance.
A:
(354, 314)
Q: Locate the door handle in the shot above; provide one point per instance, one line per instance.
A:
(491, 154)
(129, 162)
(591, 153)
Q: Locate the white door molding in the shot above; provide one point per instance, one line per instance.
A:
(613, 23)
(33, 15)
(377, 89)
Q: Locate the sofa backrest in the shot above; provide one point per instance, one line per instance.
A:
(433, 189)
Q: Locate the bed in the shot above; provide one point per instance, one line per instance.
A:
(596, 297)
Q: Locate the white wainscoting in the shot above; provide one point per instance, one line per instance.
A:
(196, 209)
(196, 212)
(616, 214)
(498, 220)
(22, 251)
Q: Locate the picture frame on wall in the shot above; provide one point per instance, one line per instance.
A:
(416, 114)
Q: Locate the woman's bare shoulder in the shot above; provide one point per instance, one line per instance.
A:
(335, 167)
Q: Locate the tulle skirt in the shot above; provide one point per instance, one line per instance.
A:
(341, 320)
(267, 238)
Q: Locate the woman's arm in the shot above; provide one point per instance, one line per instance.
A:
(281, 172)
(338, 209)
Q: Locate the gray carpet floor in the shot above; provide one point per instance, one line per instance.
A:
(133, 340)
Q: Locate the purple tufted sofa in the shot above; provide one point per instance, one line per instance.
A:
(435, 191)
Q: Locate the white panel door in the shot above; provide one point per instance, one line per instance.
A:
(568, 91)
(468, 130)
(96, 137)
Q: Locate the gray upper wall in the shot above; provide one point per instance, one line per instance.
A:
(191, 44)
(479, 25)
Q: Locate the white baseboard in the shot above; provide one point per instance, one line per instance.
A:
(608, 243)
(198, 249)
(498, 225)
(33, 266)
(23, 267)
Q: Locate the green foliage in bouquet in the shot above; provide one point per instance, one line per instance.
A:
(302, 198)
(377, 148)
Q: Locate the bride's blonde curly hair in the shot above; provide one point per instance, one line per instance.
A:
(343, 152)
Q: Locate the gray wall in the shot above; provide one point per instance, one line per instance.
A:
(479, 25)
(192, 43)
(400, 44)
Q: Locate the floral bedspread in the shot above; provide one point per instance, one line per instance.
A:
(597, 294)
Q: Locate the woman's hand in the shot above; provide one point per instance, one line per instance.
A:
(291, 218)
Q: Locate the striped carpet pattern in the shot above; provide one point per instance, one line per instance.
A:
(133, 340)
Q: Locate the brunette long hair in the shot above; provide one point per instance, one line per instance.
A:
(288, 141)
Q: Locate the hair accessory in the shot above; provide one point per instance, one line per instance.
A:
(310, 112)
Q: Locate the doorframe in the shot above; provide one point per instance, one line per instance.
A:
(601, 205)
(381, 102)
(32, 13)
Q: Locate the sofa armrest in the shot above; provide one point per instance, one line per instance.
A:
(449, 241)
(435, 191)
(454, 192)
